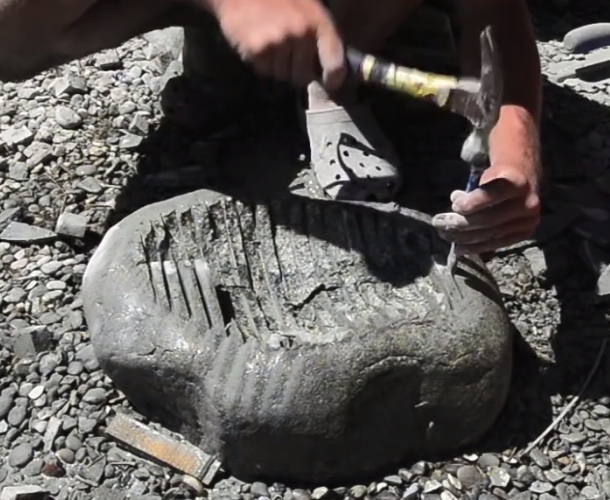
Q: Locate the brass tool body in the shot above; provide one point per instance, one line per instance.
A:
(445, 91)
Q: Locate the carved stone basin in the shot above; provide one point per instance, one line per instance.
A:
(298, 339)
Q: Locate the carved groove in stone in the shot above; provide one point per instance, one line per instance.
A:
(283, 267)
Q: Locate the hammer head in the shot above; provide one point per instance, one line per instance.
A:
(480, 100)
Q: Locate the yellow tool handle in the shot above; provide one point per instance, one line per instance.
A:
(419, 84)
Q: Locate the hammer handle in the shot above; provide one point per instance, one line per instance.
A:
(421, 85)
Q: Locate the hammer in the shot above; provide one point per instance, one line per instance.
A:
(478, 100)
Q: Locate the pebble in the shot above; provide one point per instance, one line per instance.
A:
(18, 232)
(67, 118)
(73, 225)
(358, 491)
(320, 493)
(259, 489)
(95, 396)
(66, 455)
(6, 402)
(90, 185)
(412, 492)
(17, 415)
(540, 459)
(73, 443)
(469, 476)
(554, 476)
(23, 492)
(20, 455)
(574, 438)
(540, 487)
(591, 493)
(499, 477)
(16, 136)
(69, 84)
(36, 392)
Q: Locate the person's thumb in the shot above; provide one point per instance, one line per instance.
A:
(332, 57)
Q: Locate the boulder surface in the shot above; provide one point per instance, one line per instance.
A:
(298, 339)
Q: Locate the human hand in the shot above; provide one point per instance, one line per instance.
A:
(286, 39)
(504, 210)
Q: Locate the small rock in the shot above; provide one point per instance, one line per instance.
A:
(574, 438)
(69, 84)
(10, 214)
(95, 396)
(66, 455)
(17, 415)
(53, 428)
(36, 392)
(90, 185)
(34, 468)
(499, 477)
(357, 492)
(599, 410)
(130, 141)
(16, 136)
(412, 492)
(540, 459)
(393, 480)
(469, 476)
(420, 468)
(48, 363)
(30, 341)
(73, 443)
(66, 118)
(85, 170)
(20, 455)
(108, 60)
(194, 485)
(299, 494)
(259, 489)
(432, 486)
(536, 260)
(73, 225)
(23, 492)
(6, 402)
(554, 476)
(38, 153)
(591, 493)
(320, 493)
(18, 171)
(540, 487)
(139, 124)
(18, 232)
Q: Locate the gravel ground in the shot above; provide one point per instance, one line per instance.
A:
(74, 149)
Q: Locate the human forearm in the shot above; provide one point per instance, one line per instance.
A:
(515, 138)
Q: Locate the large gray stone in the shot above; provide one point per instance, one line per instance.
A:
(302, 340)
